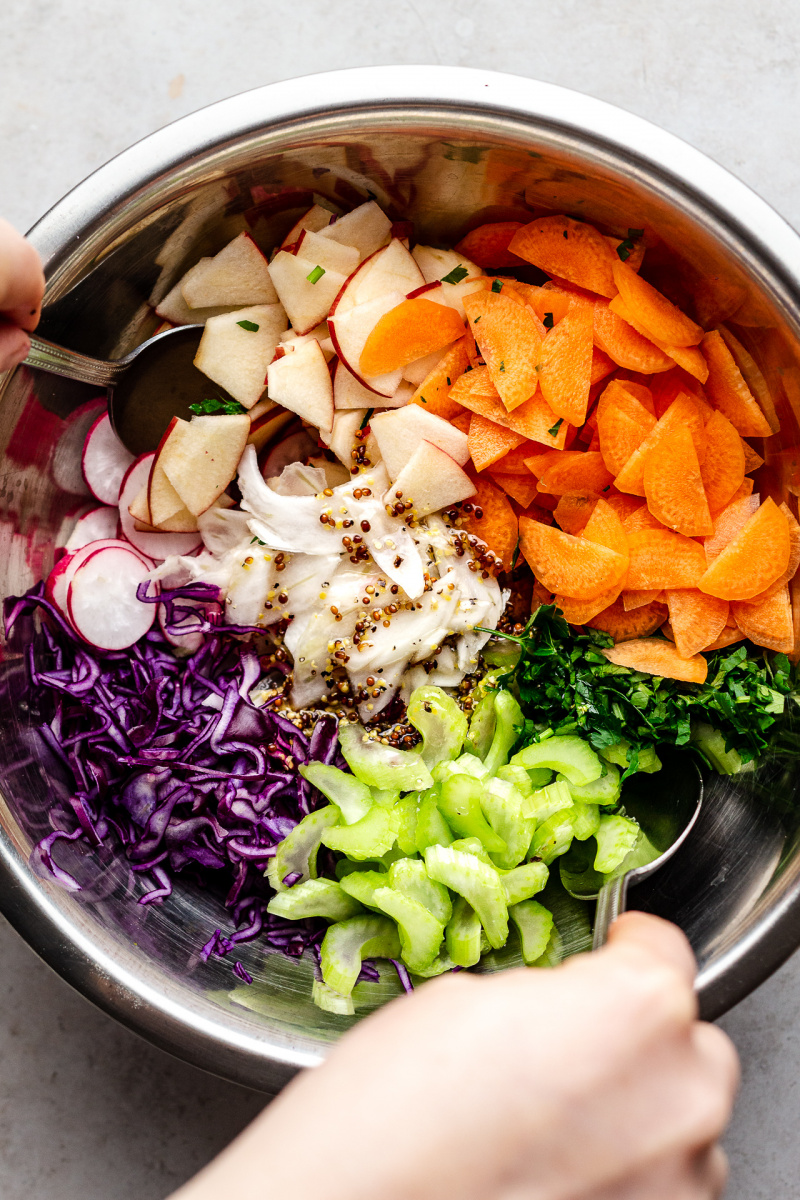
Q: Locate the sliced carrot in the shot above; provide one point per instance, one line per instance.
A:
(642, 518)
(659, 316)
(794, 592)
(407, 332)
(633, 600)
(637, 389)
(569, 565)
(606, 529)
(624, 506)
(433, 394)
(753, 377)
(570, 249)
(723, 467)
(582, 612)
(487, 246)
(537, 421)
(624, 626)
(573, 511)
(744, 489)
(687, 357)
(660, 558)
(768, 623)
(794, 557)
(462, 421)
(510, 341)
(571, 471)
(565, 374)
(518, 487)
(549, 304)
(622, 425)
(728, 391)
(513, 463)
(728, 523)
(697, 620)
(497, 523)
(489, 442)
(602, 365)
(655, 656)
(667, 386)
(755, 559)
(729, 635)
(624, 345)
(752, 461)
(673, 486)
(683, 412)
(635, 256)
(534, 419)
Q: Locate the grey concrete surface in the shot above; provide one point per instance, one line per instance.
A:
(87, 1110)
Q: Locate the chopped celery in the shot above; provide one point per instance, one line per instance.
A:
(482, 726)
(585, 820)
(314, 898)
(570, 755)
(370, 837)
(711, 745)
(465, 764)
(421, 934)
(605, 790)
(460, 804)
(502, 805)
(553, 837)
(297, 853)
(409, 875)
(351, 795)
(472, 845)
(385, 796)
(540, 776)
(524, 881)
(440, 721)
(534, 925)
(362, 885)
(547, 801)
(478, 883)
(520, 778)
(508, 726)
(441, 964)
(502, 654)
(432, 829)
(348, 942)
(463, 934)
(330, 1001)
(382, 766)
(616, 837)
(405, 819)
(649, 762)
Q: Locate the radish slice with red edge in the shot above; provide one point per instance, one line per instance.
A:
(98, 524)
(102, 602)
(59, 579)
(105, 461)
(155, 545)
(66, 467)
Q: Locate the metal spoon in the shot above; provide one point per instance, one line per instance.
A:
(146, 389)
(666, 804)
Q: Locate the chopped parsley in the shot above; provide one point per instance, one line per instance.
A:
(628, 244)
(456, 275)
(553, 432)
(497, 285)
(475, 322)
(257, 542)
(250, 326)
(212, 408)
(502, 366)
(367, 417)
(315, 275)
(548, 321)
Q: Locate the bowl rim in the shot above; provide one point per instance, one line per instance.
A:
(763, 239)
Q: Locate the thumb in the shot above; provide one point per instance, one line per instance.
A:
(21, 278)
(646, 936)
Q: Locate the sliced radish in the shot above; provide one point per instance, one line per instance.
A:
(102, 599)
(155, 545)
(99, 523)
(295, 447)
(105, 461)
(62, 573)
(70, 513)
(66, 467)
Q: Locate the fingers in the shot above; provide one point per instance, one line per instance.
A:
(656, 939)
(14, 345)
(21, 278)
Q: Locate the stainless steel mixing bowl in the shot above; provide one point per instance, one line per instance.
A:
(448, 148)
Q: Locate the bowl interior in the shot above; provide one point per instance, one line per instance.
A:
(448, 171)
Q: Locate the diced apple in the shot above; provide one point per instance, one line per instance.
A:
(293, 341)
(239, 274)
(431, 480)
(349, 392)
(267, 426)
(417, 372)
(342, 437)
(451, 295)
(435, 264)
(173, 308)
(399, 433)
(139, 507)
(162, 499)
(349, 332)
(301, 382)
(390, 269)
(366, 227)
(315, 219)
(306, 295)
(328, 254)
(200, 457)
(236, 357)
(400, 398)
(335, 473)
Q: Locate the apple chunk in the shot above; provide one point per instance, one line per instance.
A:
(301, 382)
(235, 355)
(239, 274)
(330, 255)
(200, 457)
(167, 510)
(430, 480)
(390, 269)
(173, 308)
(304, 293)
(315, 219)
(349, 333)
(400, 431)
(366, 227)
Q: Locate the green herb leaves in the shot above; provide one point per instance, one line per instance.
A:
(250, 326)
(628, 244)
(315, 275)
(497, 285)
(456, 275)
(548, 321)
(554, 430)
(213, 408)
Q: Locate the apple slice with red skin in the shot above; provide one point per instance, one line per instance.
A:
(167, 510)
(239, 275)
(301, 382)
(306, 302)
(349, 333)
(400, 432)
(430, 480)
(152, 544)
(389, 269)
(173, 308)
(325, 253)
(200, 457)
(267, 425)
(315, 219)
(236, 356)
(342, 437)
(366, 227)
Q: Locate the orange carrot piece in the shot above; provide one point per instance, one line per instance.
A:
(658, 657)
(569, 565)
(570, 249)
(794, 558)
(624, 345)
(668, 385)
(497, 524)
(572, 471)
(573, 511)
(487, 246)
(510, 341)
(582, 612)
(728, 523)
(673, 486)
(642, 518)
(659, 316)
(433, 394)
(633, 600)
(697, 620)
(729, 635)
(752, 460)
(549, 304)
(683, 412)
(624, 625)
(688, 357)
(622, 425)
(752, 376)
(660, 558)
(462, 421)
(624, 505)
(604, 528)
(602, 365)
(565, 374)
(513, 463)
(534, 419)
(640, 391)
(728, 391)
(488, 442)
(635, 256)
(723, 467)
(755, 559)
(768, 623)
(518, 487)
(407, 332)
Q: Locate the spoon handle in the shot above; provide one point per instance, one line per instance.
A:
(610, 903)
(47, 356)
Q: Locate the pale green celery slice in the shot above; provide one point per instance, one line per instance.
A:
(616, 837)
(572, 756)
(534, 924)
(314, 898)
(370, 837)
(524, 881)
(405, 812)
(553, 838)
(502, 805)
(547, 801)
(473, 845)
(382, 766)
(478, 883)
(348, 942)
(711, 743)
(410, 876)
(539, 776)
(482, 726)
(649, 762)
(465, 764)
(585, 820)
(351, 795)
(508, 726)
(386, 797)
(431, 829)
(330, 1001)
(463, 934)
(362, 885)
(421, 934)
(440, 721)
(297, 853)
(605, 790)
(460, 805)
(520, 778)
(441, 964)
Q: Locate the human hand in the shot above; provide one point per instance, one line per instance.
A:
(593, 1081)
(21, 292)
